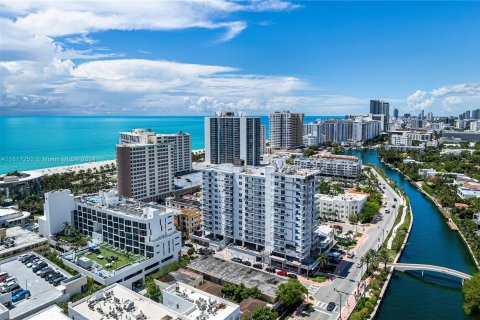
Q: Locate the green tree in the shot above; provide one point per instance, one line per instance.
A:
(291, 293)
(262, 313)
(322, 260)
(384, 257)
(153, 291)
(471, 295)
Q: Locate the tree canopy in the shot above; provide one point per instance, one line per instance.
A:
(471, 294)
(291, 293)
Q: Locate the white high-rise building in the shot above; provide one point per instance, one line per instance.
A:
(358, 129)
(268, 209)
(231, 138)
(147, 163)
(286, 130)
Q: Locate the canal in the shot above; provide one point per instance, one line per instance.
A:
(430, 242)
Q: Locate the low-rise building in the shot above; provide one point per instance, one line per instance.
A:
(188, 214)
(332, 165)
(469, 190)
(17, 240)
(341, 207)
(18, 185)
(119, 302)
(456, 152)
(326, 237)
(194, 304)
(11, 216)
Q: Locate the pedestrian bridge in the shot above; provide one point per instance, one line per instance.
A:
(426, 267)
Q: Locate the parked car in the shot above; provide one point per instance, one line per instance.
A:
(57, 281)
(282, 273)
(16, 291)
(3, 276)
(10, 287)
(39, 266)
(258, 266)
(330, 306)
(236, 259)
(9, 279)
(270, 269)
(24, 294)
(292, 275)
(28, 259)
(350, 255)
(395, 199)
(189, 245)
(32, 262)
(44, 271)
(52, 275)
(359, 264)
(247, 263)
(45, 274)
(56, 277)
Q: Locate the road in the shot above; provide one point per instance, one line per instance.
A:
(346, 284)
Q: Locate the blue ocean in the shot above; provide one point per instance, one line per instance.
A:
(37, 142)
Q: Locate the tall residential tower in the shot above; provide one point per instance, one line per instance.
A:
(286, 130)
(231, 138)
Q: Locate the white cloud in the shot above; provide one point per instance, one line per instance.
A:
(444, 99)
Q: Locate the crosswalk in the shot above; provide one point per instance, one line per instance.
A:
(312, 289)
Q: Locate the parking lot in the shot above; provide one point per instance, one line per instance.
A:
(41, 291)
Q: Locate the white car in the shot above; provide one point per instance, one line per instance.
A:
(359, 264)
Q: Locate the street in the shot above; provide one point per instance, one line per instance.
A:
(348, 274)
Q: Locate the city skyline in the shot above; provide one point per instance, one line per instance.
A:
(318, 58)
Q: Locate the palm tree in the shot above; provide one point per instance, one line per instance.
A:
(384, 257)
(369, 258)
(350, 235)
(322, 260)
(66, 226)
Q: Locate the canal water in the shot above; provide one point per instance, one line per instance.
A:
(430, 242)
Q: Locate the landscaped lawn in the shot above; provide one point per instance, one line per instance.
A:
(123, 259)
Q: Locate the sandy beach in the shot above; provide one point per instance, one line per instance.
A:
(84, 166)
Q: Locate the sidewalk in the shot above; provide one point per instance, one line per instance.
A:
(352, 301)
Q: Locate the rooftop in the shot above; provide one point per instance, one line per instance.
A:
(121, 303)
(109, 199)
(53, 312)
(348, 196)
(261, 170)
(199, 304)
(236, 273)
(10, 213)
(22, 238)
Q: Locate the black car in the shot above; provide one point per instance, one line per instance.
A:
(45, 271)
(26, 258)
(258, 266)
(331, 306)
(29, 259)
(55, 278)
(39, 266)
(235, 259)
(270, 269)
(247, 263)
(57, 281)
(189, 245)
(292, 276)
(52, 275)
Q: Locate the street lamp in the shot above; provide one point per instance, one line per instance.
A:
(340, 295)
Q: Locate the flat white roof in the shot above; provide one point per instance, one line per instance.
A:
(220, 308)
(51, 313)
(114, 298)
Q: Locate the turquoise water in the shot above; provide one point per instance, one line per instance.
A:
(430, 242)
(41, 142)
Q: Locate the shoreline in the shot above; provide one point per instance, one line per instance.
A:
(82, 166)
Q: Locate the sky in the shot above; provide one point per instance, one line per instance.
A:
(195, 57)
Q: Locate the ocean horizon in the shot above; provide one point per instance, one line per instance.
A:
(38, 142)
